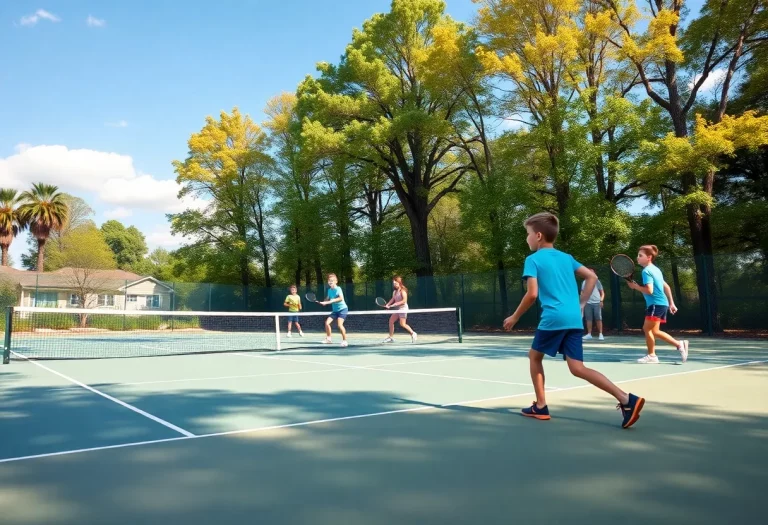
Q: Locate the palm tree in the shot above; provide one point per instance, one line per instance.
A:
(10, 223)
(43, 209)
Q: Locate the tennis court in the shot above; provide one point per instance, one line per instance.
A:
(399, 433)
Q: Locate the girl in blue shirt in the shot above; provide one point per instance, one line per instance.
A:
(658, 301)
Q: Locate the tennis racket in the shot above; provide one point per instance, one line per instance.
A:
(381, 301)
(312, 298)
(623, 266)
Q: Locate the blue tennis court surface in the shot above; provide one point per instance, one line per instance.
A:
(384, 434)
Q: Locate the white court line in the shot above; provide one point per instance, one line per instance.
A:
(691, 357)
(360, 416)
(234, 377)
(113, 399)
(338, 368)
(383, 370)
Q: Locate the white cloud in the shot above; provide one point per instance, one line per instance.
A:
(111, 177)
(713, 81)
(92, 21)
(118, 124)
(118, 213)
(40, 14)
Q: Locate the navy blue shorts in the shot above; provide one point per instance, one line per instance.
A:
(341, 314)
(293, 318)
(657, 312)
(566, 342)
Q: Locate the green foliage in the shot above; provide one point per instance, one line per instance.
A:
(127, 244)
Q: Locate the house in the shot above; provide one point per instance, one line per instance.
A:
(69, 287)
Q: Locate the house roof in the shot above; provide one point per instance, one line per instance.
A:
(142, 279)
(61, 278)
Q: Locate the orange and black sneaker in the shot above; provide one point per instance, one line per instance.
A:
(631, 411)
(538, 413)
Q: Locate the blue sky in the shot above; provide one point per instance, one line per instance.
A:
(100, 97)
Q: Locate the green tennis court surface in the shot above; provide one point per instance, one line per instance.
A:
(400, 433)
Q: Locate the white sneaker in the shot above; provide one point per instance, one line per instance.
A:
(289, 335)
(327, 341)
(414, 336)
(601, 338)
(344, 343)
(649, 360)
(683, 349)
(587, 337)
(301, 334)
(388, 340)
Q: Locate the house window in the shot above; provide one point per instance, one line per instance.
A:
(132, 298)
(74, 300)
(153, 301)
(106, 300)
(45, 299)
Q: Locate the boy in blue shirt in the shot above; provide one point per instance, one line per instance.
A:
(335, 298)
(551, 276)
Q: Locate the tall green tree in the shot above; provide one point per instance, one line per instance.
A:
(44, 210)
(376, 106)
(226, 167)
(664, 53)
(297, 181)
(10, 221)
(128, 244)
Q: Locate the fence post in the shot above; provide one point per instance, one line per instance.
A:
(8, 330)
(210, 299)
(463, 304)
(707, 298)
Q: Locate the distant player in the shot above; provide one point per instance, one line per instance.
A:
(293, 303)
(658, 301)
(335, 298)
(399, 301)
(550, 276)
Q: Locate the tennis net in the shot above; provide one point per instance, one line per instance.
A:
(64, 333)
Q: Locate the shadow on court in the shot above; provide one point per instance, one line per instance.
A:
(690, 460)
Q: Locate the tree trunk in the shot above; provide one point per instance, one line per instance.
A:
(5, 255)
(418, 218)
(297, 275)
(318, 273)
(40, 254)
(676, 283)
(245, 279)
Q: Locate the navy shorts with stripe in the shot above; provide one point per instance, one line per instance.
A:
(566, 342)
(657, 312)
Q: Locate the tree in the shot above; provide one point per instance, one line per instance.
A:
(227, 166)
(10, 221)
(296, 185)
(128, 244)
(727, 34)
(378, 107)
(44, 210)
(86, 255)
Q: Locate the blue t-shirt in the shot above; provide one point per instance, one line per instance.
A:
(652, 274)
(333, 293)
(558, 290)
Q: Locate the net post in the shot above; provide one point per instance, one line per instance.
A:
(459, 327)
(277, 332)
(8, 330)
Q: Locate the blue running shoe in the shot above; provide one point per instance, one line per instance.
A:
(631, 411)
(536, 412)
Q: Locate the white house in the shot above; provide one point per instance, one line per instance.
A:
(68, 287)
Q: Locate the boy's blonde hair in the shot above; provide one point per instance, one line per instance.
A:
(544, 223)
(332, 275)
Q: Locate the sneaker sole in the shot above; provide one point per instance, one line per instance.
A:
(636, 413)
(540, 417)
